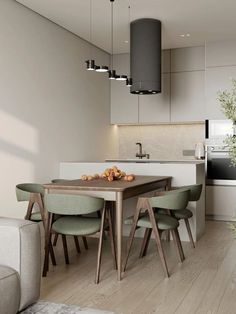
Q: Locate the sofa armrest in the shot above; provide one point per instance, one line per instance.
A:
(20, 250)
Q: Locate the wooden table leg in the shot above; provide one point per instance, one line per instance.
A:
(119, 232)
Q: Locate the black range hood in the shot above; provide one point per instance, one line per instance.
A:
(145, 56)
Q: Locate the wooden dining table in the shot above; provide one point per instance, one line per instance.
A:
(116, 191)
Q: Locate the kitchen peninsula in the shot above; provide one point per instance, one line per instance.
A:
(183, 172)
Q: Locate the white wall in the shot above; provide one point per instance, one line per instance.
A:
(51, 108)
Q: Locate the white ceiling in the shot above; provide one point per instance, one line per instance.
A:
(204, 20)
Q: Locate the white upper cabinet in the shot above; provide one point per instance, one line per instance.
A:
(220, 70)
(188, 84)
(156, 108)
(220, 53)
(124, 105)
(188, 59)
(217, 79)
(187, 96)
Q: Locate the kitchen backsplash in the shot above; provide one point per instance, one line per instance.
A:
(160, 141)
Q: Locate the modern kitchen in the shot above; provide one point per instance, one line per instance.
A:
(128, 102)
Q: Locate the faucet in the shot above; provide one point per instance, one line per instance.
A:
(141, 154)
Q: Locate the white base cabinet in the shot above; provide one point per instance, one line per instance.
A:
(221, 202)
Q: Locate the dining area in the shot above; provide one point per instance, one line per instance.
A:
(81, 209)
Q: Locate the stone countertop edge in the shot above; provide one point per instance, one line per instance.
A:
(187, 161)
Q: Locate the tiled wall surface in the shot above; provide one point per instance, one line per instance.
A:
(160, 141)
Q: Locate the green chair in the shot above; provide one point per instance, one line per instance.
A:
(145, 217)
(33, 194)
(75, 238)
(186, 214)
(71, 208)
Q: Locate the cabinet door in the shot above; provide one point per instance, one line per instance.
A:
(156, 108)
(188, 59)
(221, 53)
(124, 105)
(188, 96)
(217, 79)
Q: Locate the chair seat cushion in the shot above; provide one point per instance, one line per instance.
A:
(182, 213)
(9, 290)
(76, 225)
(164, 222)
(36, 216)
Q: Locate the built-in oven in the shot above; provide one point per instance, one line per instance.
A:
(219, 170)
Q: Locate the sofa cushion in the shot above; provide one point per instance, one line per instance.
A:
(9, 290)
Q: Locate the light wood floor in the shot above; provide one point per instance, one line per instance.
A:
(205, 283)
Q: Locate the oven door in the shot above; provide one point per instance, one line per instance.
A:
(219, 170)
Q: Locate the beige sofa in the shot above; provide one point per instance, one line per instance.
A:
(20, 269)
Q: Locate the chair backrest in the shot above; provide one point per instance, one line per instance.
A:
(66, 204)
(174, 201)
(195, 191)
(23, 190)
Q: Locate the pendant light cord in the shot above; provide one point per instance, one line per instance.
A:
(111, 34)
(90, 28)
(129, 15)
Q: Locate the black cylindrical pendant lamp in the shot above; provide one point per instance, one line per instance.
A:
(145, 56)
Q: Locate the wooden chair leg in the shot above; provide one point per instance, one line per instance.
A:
(158, 239)
(99, 256)
(29, 209)
(179, 243)
(145, 243)
(189, 232)
(85, 243)
(131, 235)
(77, 244)
(181, 258)
(47, 245)
(168, 235)
(65, 249)
(51, 251)
(55, 239)
(112, 242)
(38, 199)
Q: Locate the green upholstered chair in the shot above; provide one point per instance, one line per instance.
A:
(71, 208)
(185, 213)
(75, 238)
(32, 193)
(157, 223)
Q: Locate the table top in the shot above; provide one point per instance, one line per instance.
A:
(104, 185)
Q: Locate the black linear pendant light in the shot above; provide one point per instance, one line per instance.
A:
(91, 66)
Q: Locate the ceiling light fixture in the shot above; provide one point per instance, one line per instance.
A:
(90, 63)
(121, 77)
(129, 80)
(112, 72)
(101, 68)
(185, 35)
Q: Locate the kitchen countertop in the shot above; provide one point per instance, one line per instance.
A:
(159, 161)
